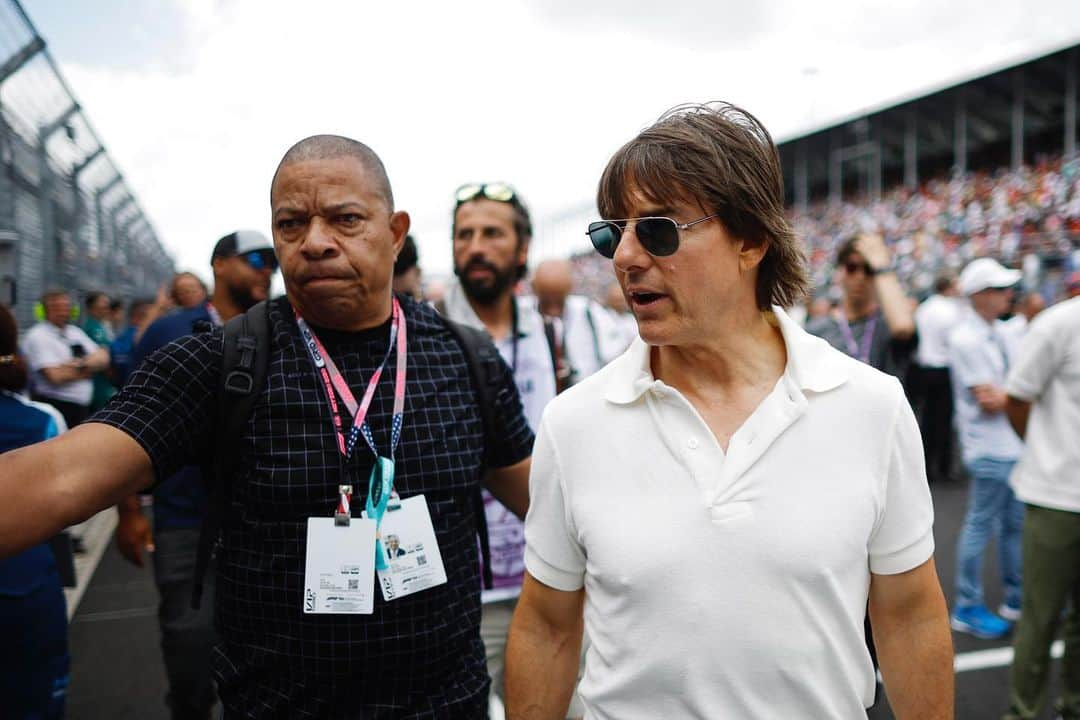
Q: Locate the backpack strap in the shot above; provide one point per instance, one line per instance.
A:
(245, 358)
(483, 361)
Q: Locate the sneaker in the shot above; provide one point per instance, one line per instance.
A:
(1009, 612)
(978, 621)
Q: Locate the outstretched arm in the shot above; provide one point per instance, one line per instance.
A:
(50, 485)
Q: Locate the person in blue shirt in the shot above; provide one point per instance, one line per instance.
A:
(243, 263)
(34, 661)
(122, 348)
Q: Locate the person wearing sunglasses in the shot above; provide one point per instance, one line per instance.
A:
(875, 322)
(792, 474)
(243, 263)
(491, 233)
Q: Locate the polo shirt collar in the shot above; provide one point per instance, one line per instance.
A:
(812, 364)
(459, 310)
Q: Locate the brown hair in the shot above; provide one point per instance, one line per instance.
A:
(722, 157)
(13, 376)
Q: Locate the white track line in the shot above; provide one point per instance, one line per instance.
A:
(995, 657)
(98, 535)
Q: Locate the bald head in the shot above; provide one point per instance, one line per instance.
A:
(552, 282)
(336, 147)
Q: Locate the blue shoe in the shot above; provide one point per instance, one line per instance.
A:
(1009, 612)
(978, 621)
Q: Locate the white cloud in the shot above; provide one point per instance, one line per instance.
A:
(538, 95)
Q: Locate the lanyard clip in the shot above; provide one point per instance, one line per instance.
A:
(343, 515)
(394, 503)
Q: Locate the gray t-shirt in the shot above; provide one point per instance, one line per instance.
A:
(880, 350)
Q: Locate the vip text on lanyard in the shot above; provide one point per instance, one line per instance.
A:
(381, 482)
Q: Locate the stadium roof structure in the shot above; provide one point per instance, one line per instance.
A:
(1010, 114)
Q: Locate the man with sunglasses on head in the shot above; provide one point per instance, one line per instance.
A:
(243, 263)
(875, 322)
(794, 472)
(491, 234)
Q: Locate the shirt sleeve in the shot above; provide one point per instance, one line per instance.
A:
(552, 554)
(514, 439)
(169, 404)
(968, 369)
(1034, 364)
(904, 536)
(41, 353)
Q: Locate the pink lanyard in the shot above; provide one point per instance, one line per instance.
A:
(859, 353)
(335, 386)
(215, 316)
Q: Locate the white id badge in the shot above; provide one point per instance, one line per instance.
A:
(408, 539)
(339, 574)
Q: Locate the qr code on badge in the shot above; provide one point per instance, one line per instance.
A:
(354, 584)
(421, 560)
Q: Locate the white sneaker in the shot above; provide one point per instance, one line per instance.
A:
(1010, 613)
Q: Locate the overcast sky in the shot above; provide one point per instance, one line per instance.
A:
(198, 99)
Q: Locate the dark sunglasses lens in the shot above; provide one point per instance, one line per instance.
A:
(852, 268)
(261, 260)
(658, 236)
(604, 237)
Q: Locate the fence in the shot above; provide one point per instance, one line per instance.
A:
(68, 218)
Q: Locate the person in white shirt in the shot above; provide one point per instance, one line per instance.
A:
(930, 388)
(979, 361)
(491, 234)
(1043, 406)
(791, 474)
(62, 360)
(591, 335)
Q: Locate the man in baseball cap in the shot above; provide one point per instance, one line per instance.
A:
(243, 262)
(979, 362)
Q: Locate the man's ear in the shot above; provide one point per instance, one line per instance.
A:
(399, 225)
(751, 253)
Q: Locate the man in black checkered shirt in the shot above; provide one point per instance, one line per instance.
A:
(336, 234)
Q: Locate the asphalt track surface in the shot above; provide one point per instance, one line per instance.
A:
(117, 672)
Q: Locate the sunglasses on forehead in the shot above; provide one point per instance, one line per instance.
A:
(260, 259)
(497, 191)
(658, 235)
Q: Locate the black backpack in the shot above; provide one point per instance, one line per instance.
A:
(245, 359)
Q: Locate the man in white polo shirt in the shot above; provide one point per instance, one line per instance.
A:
(63, 359)
(792, 474)
(1044, 408)
(979, 361)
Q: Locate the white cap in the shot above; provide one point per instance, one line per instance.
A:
(986, 273)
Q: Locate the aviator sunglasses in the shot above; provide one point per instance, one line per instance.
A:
(497, 191)
(261, 260)
(658, 235)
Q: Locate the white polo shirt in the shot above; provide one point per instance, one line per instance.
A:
(979, 355)
(728, 585)
(46, 345)
(1046, 372)
(934, 320)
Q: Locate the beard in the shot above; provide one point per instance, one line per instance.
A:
(488, 290)
(243, 297)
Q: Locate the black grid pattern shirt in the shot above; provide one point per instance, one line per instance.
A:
(416, 657)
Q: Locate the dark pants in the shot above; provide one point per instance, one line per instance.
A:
(73, 413)
(187, 635)
(34, 662)
(1051, 584)
(931, 395)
